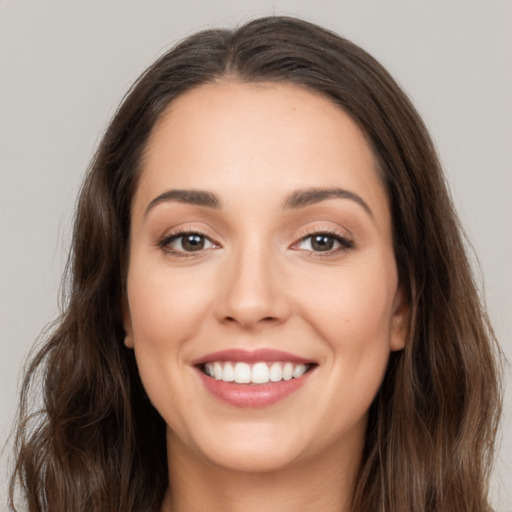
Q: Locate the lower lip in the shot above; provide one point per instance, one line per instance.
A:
(252, 395)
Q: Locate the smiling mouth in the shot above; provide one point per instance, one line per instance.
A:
(253, 378)
(261, 372)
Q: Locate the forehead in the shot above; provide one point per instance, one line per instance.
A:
(256, 138)
(269, 112)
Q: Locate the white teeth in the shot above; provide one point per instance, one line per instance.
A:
(242, 373)
(258, 373)
(229, 373)
(276, 372)
(288, 371)
(299, 371)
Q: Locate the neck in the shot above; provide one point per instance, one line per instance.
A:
(200, 486)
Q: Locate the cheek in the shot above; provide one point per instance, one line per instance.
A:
(165, 307)
(354, 307)
(352, 316)
(166, 310)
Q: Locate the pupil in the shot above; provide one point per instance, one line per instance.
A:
(193, 242)
(322, 242)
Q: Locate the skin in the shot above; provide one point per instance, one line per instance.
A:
(258, 284)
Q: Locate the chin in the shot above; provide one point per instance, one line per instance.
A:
(253, 459)
(250, 448)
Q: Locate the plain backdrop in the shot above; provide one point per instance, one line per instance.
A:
(64, 67)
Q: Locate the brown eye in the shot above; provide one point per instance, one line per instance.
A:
(192, 242)
(186, 243)
(322, 242)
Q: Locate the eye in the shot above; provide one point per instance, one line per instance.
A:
(186, 242)
(323, 242)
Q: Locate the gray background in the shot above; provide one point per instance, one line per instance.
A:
(64, 66)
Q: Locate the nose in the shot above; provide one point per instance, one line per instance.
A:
(251, 292)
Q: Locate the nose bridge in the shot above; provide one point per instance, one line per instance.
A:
(251, 287)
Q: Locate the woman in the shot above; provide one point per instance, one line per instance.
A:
(270, 306)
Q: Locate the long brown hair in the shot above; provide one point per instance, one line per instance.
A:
(97, 444)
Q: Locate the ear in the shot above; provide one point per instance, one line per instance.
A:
(399, 321)
(127, 324)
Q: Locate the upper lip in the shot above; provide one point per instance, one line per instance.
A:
(250, 356)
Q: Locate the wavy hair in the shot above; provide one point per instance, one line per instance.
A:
(97, 444)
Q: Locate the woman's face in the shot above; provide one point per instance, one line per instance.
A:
(261, 251)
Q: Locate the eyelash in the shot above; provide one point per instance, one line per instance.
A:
(167, 240)
(345, 243)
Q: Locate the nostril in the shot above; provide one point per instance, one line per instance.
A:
(266, 319)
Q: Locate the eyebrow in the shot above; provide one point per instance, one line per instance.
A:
(298, 199)
(195, 197)
(306, 197)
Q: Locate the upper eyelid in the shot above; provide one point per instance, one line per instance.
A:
(300, 235)
(340, 238)
(328, 233)
(180, 234)
(337, 232)
(329, 230)
(188, 229)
